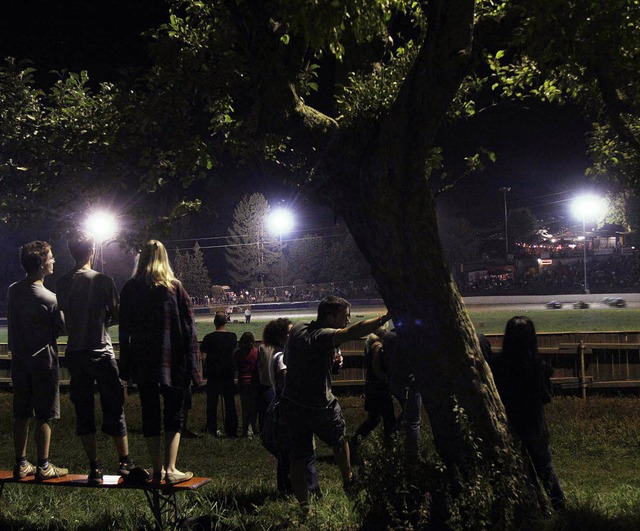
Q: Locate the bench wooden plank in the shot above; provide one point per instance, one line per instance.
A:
(81, 480)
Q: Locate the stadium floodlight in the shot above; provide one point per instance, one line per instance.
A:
(280, 221)
(589, 207)
(586, 207)
(102, 225)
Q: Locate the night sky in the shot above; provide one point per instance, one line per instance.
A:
(540, 150)
(540, 154)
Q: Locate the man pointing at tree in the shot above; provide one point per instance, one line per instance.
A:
(308, 403)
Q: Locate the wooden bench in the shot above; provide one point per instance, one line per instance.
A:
(162, 498)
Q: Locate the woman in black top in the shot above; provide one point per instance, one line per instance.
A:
(523, 381)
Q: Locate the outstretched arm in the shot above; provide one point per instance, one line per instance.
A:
(360, 329)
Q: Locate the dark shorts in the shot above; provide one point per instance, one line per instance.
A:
(303, 422)
(35, 391)
(154, 415)
(90, 370)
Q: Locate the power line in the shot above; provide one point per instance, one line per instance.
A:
(203, 238)
(254, 243)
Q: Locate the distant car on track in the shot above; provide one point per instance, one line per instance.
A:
(615, 302)
(554, 305)
(580, 305)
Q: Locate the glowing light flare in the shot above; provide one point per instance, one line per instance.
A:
(589, 207)
(280, 221)
(102, 225)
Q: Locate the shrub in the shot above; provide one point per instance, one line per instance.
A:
(422, 493)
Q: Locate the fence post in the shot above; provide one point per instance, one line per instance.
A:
(583, 379)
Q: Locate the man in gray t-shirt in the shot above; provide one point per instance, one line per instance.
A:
(90, 304)
(307, 401)
(34, 323)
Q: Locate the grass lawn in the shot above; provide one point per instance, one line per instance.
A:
(595, 445)
(593, 320)
(490, 321)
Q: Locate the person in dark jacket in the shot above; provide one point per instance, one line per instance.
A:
(159, 350)
(378, 402)
(523, 381)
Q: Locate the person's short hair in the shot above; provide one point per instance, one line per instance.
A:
(275, 332)
(33, 255)
(331, 305)
(220, 319)
(81, 245)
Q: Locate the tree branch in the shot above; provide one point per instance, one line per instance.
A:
(613, 105)
(430, 86)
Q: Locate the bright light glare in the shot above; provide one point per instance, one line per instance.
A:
(102, 225)
(280, 221)
(589, 207)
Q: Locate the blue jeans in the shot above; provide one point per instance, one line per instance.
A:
(409, 419)
(412, 418)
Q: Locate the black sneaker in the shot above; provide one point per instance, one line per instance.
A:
(95, 476)
(125, 467)
(137, 476)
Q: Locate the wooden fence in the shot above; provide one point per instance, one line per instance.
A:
(580, 360)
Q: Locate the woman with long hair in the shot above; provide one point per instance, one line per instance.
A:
(246, 360)
(523, 381)
(159, 351)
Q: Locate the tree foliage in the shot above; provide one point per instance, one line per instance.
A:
(252, 253)
(343, 260)
(306, 258)
(191, 270)
(623, 210)
(459, 239)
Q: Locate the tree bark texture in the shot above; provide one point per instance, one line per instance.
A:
(380, 187)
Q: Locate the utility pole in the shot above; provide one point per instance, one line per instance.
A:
(504, 191)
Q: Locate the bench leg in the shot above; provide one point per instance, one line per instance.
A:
(165, 508)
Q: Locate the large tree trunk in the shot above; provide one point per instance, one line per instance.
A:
(399, 236)
(380, 187)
